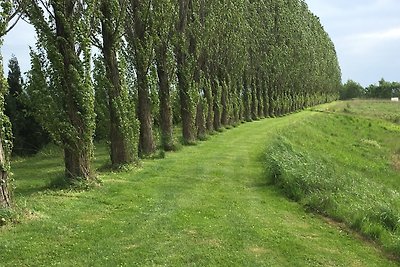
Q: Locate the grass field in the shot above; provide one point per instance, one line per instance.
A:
(205, 205)
(379, 109)
(344, 163)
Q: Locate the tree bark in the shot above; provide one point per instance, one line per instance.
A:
(265, 98)
(200, 121)
(260, 99)
(246, 100)
(137, 36)
(184, 76)
(224, 104)
(185, 101)
(78, 149)
(254, 101)
(5, 196)
(121, 151)
(77, 163)
(210, 112)
(146, 140)
(216, 105)
(167, 141)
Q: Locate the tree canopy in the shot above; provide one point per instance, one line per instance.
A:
(200, 64)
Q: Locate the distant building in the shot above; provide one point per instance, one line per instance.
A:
(395, 99)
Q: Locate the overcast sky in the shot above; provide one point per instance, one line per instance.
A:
(366, 34)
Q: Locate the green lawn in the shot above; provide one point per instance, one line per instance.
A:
(205, 205)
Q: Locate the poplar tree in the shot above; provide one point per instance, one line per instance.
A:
(185, 52)
(29, 137)
(5, 135)
(61, 78)
(164, 14)
(5, 140)
(140, 41)
(8, 11)
(123, 128)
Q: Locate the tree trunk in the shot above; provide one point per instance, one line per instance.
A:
(246, 100)
(167, 141)
(186, 105)
(121, 151)
(239, 101)
(146, 140)
(216, 106)
(265, 98)
(139, 41)
(210, 112)
(200, 121)
(224, 104)
(272, 101)
(235, 104)
(5, 198)
(77, 147)
(254, 102)
(260, 102)
(184, 74)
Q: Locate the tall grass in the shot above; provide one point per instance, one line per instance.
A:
(342, 171)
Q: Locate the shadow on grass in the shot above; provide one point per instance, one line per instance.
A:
(45, 171)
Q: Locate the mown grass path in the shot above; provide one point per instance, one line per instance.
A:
(206, 205)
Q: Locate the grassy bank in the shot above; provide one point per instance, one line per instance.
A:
(205, 205)
(379, 109)
(343, 162)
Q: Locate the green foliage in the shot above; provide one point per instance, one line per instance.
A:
(341, 166)
(101, 107)
(126, 112)
(29, 136)
(384, 89)
(120, 118)
(7, 12)
(140, 43)
(351, 89)
(5, 125)
(60, 79)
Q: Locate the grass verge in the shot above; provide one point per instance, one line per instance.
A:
(342, 165)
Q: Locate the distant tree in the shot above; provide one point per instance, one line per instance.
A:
(101, 106)
(371, 91)
(383, 89)
(351, 89)
(388, 89)
(396, 89)
(29, 136)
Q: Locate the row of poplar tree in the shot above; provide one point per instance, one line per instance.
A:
(206, 64)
